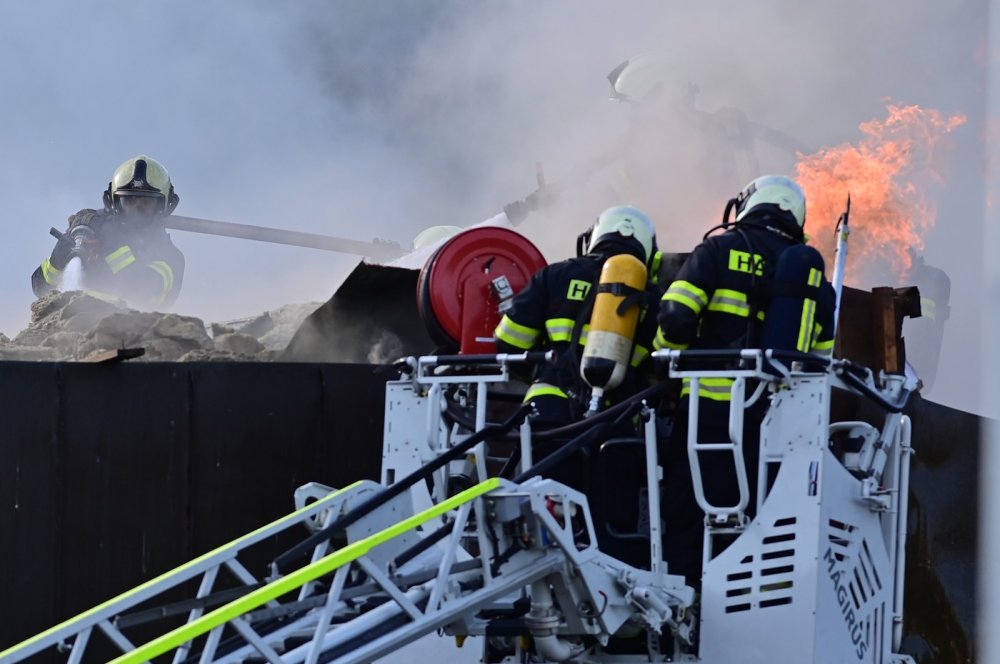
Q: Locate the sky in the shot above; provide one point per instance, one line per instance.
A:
(376, 120)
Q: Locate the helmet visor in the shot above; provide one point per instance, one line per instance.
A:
(140, 204)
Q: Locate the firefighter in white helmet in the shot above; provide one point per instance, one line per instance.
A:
(553, 312)
(755, 285)
(124, 249)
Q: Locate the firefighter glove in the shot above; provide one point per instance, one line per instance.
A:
(62, 252)
(84, 217)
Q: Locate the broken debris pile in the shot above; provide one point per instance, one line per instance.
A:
(77, 326)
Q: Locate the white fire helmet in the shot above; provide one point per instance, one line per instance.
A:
(434, 235)
(141, 176)
(648, 77)
(628, 222)
(777, 190)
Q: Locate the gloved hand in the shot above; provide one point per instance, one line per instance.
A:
(80, 241)
(62, 252)
(84, 217)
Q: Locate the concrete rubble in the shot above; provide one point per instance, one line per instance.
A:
(75, 326)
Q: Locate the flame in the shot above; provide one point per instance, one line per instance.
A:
(887, 174)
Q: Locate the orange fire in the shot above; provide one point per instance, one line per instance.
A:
(887, 174)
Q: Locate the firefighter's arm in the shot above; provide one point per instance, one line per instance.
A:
(822, 341)
(522, 325)
(48, 276)
(684, 300)
(40, 280)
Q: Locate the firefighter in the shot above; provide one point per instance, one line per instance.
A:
(553, 312)
(756, 285)
(124, 249)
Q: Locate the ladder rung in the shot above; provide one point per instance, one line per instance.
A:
(715, 447)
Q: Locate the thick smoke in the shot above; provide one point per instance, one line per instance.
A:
(372, 120)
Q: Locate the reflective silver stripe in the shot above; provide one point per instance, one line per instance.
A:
(730, 302)
(100, 295)
(52, 274)
(806, 325)
(687, 294)
(167, 274)
(560, 329)
(515, 334)
(120, 259)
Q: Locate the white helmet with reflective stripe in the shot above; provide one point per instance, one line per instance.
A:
(778, 190)
(628, 222)
(141, 176)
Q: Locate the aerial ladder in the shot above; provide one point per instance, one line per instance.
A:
(467, 535)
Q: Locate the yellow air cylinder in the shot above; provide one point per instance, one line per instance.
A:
(608, 349)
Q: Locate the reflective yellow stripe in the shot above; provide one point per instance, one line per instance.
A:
(815, 277)
(660, 342)
(52, 274)
(806, 325)
(686, 293)
(654, 267)
(166, 576)
(639, 353)
(716, 389)
(560, 329)
(167, 274)
(515, 334)
(743, 261)
(543, 390)
(120, 258)
(730, 302)
(101, 295)
(823, 347)
(285, 584)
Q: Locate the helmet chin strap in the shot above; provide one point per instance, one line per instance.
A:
(109, 201)
(583, 242)
(172, 200)
(731, 204)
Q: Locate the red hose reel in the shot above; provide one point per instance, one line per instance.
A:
(468, 282)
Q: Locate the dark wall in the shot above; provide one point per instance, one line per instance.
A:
(112, 474)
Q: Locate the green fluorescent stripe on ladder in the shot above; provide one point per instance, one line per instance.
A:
(161, 578)
(296, 579)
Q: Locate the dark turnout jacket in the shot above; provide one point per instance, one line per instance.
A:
(719, 298)
(553, 310)
(129, 259)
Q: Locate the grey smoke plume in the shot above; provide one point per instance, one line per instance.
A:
(378, 119)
